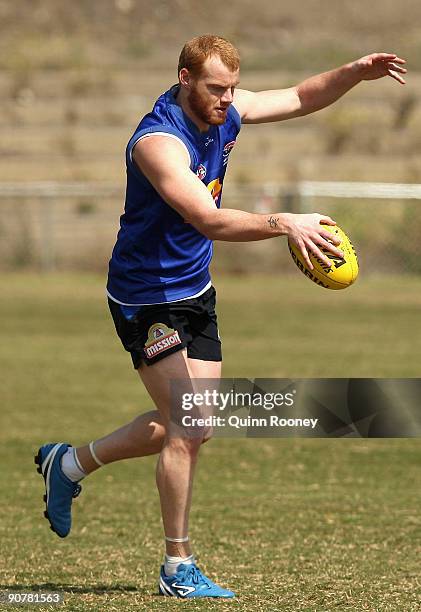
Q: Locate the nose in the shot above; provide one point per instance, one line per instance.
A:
(227, 97)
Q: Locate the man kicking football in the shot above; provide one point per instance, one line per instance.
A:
(159, 289)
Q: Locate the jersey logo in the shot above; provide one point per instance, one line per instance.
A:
(215, 187)
(160, 338)
(227, 150)
(201, 172)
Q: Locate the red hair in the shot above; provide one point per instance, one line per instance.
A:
(196, 51)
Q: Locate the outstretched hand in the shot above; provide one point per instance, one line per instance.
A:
(378, 65)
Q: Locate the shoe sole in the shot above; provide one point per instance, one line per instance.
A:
(38, 462)
(163, 590)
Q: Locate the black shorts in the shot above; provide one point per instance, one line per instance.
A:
(158, 330)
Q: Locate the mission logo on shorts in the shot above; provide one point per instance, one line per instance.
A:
(160, 338)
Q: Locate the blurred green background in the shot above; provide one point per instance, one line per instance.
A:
(75, 78)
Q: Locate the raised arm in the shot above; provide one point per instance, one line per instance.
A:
(316, 92)
(165, 163)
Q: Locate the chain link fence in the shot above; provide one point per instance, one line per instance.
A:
(73, 226)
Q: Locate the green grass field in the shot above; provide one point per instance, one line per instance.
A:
(291, 524)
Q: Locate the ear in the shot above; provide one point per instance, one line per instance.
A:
(185, 78)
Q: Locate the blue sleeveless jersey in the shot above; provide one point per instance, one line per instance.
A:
(158, 257)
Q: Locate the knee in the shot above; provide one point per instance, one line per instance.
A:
(192, 444)
(200, 436)
(189, 446)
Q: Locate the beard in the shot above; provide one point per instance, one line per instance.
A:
(205, 111)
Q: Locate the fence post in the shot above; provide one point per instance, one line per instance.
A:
(47, 254)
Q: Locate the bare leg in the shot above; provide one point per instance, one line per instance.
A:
(143, 436)
(152, 433)
(177, 461)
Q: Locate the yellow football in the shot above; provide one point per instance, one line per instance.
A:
(340, 274)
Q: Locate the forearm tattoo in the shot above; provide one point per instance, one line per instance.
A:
(273, 222)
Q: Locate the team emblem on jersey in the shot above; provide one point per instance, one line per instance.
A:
(215, 187)
(227, 150)
(201, 172)
(160, 338)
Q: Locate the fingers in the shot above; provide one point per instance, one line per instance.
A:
(396, 67)
(325, 220)
(396, 76)
(395, 70)
(388, 56)
(320, 248)
(316, 241)
(305, 255)
(314, 250)
(399, 60)
(326, 235)
(328, 243)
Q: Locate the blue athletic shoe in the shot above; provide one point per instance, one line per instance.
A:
(59, 490)
(189, 582)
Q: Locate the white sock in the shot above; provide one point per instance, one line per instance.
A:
(171, 563)
(71, 466)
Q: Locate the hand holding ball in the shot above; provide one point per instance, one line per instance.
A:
(342, 272)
